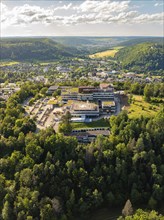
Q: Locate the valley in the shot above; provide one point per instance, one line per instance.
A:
(81, 128)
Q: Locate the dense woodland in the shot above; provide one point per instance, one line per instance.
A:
(50, 176)
(139, 40)
(142, 57)
(26, 49)
(136, 56)
(151, 91)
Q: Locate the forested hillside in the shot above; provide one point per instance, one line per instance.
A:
(142, 57)
(50, 176)
(139, 40)
(34, 49)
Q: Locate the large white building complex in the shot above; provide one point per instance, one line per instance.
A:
(84, 109)
(90, 93)
(87, 102)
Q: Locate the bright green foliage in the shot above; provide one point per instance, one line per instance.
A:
(148, 92)
(46, 175)
(65, 125)
(142, 57)
(143, 215)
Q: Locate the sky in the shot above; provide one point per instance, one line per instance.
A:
(82, 18)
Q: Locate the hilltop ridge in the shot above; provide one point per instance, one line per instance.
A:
(143, 57)
(34, 49)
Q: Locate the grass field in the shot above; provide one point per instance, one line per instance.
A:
(93, 124)
(8, 63)
(140, 107)
(107, 53)
(47, 63)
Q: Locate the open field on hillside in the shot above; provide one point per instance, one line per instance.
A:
(107, 53)
(8, 63)
(93, 124)
(47, 62)
(140, 107)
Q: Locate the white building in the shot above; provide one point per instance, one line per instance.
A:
(84, 109)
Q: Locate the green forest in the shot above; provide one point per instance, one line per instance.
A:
(50, 176)
(142, 57)
(34, 49)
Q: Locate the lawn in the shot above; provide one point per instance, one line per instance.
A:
(107, 53)
(100, 123)
(140, 107)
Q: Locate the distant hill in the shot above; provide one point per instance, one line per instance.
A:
(74, 41)
(34, 49)
(139, 40)
(91, 44)
(142, 57)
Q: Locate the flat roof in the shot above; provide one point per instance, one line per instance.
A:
(105, 132)
(86, 87)
(104, 85)
(84, 106)
(108, 103)
(52, 102)
(53, 87)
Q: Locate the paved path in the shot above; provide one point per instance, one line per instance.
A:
(56, 126)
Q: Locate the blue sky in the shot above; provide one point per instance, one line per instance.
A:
(82, 18)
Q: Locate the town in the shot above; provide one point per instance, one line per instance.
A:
(85, 104)
(99, 70)
(90, 90)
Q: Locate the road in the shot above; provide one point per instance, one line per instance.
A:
(118, 106)
(56, 126)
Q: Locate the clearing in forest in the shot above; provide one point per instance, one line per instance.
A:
(8, 63)
(106, 53)
(140, 107)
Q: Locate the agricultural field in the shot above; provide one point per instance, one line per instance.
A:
(47, 63)
(140, 107)
(107, 53)
(8, 63)
(99, 123)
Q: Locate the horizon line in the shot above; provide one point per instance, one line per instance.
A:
(85, 36)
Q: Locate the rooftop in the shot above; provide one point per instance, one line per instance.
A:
(53, 87)
(104, 132)
(108, 103)
(86, 87)
(84, 106)
(104, 85)
(52, 102)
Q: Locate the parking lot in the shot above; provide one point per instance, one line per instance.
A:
(44, 113)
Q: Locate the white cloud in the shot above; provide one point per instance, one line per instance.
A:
(150, 18)
(63, 7)
(103, 6)
(88, 12)
(158, 4)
